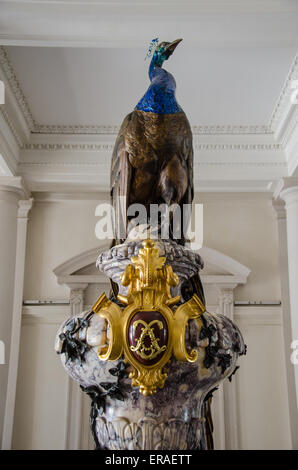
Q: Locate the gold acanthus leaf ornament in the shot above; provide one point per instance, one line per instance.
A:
(150, 328)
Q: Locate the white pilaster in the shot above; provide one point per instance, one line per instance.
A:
(289, 193)
(281, 217)
(23, 211)
(226, 307)
(75, 395)
(11, 191)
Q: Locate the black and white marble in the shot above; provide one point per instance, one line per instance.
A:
(174, 417)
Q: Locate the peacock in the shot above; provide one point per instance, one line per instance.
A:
(152, 161)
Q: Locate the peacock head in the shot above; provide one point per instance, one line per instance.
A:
(162, 51)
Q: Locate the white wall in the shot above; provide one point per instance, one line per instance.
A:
(41, 401)
(57, 231)
(261, 381)
(239, 225)
(243, 226)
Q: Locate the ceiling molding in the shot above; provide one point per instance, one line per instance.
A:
(227, 158)
(209, 176)
(231, 130)
(9, 145)
(75, 130)
(11, 126)
(290, 128)
(11, 81)
(213, 163)
(283, 108)
(76, 164)
(113, 130)
(98, 147)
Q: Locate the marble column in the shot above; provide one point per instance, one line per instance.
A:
(226, 307)
(12, 190)
(281, 218)
(75, 394)
(289, 193)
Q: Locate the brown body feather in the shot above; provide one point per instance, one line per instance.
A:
(152, 163)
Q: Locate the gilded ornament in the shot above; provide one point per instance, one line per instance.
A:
(150, 328)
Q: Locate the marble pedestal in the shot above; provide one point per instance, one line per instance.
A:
(175, 417)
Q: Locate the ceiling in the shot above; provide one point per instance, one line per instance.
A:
(74, 68)
(81, 62)
(99, 86)
(133, 23)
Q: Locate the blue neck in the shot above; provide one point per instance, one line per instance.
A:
(152, 67)
(160, 96)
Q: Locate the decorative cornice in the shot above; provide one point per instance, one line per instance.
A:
(75, 129)
(49, 146)
(11, 126)
(284, 98)
(228, 146)
(12, 81)
(113, 130)
(231, 130)
(56, 147)
(241, 164)
(9, 147)
(290, 129)
(214, 163)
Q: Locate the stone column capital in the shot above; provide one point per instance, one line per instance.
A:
(76, 295)
(25, 205)
(226, 299)
(226, 295)
(279, 207)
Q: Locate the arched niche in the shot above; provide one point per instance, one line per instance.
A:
(220, 276)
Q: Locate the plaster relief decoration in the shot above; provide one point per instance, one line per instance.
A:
(149, 354)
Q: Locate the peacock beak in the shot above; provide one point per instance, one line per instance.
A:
(172, 46)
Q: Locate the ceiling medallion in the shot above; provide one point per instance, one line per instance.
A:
(151, 327)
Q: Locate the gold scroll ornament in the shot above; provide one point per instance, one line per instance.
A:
(149, 281)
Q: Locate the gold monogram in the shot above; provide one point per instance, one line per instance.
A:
(149, 282)
(154, 349)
